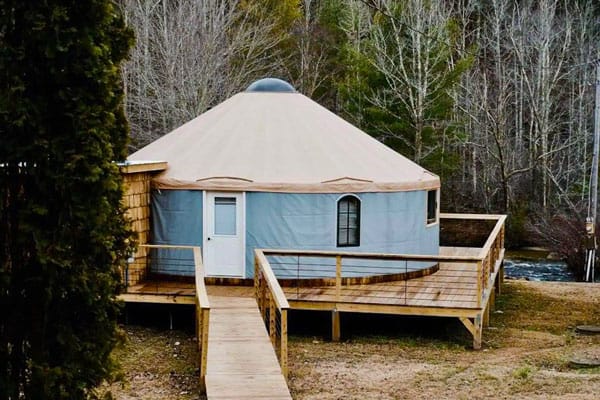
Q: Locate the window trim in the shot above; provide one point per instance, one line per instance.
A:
(337, 220)
(428, 221)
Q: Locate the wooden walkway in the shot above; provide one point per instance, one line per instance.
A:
(241, 361)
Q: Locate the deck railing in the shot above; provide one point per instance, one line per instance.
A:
(492, 251)
(202, 304)
(273, 307)
(451, 281)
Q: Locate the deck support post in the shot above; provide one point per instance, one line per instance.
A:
(170, 320)
(477, 322)
(474, 327)
(335, 326)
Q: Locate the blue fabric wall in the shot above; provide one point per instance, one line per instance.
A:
(390, 223)
(176, 219)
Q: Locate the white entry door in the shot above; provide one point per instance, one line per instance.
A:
(224, 227)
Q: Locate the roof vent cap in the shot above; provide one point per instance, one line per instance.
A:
(271, 85)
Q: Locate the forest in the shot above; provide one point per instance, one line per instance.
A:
(495, 96)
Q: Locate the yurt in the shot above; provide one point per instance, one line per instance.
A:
(270, 168)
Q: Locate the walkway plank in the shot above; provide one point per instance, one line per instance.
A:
(241, 361)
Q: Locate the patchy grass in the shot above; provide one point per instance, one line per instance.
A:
(155, 364)
(531, 306)
(526, 354)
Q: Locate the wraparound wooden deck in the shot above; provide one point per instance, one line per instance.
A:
(452, 286)
(463, 286)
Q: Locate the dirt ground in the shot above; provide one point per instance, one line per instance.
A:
(527, 353)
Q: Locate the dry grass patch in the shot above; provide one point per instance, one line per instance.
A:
(156, 364)
(527, 353)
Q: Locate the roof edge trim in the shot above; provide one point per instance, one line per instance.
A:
(284, 187)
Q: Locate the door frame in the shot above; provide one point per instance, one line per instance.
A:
(242, 223)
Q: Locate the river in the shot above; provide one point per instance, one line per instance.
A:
(534, 266)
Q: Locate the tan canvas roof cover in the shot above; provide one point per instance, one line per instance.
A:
(279, 142)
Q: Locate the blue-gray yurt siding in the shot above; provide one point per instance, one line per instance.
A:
(389, 223)
(177, 220)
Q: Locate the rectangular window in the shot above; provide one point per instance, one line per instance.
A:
(432, 206)
(225, 223)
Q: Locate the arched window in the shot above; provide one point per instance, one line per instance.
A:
(348, 221)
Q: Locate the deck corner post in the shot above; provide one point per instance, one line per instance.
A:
(479, 282)
(335, 325)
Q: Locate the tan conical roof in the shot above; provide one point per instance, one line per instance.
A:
(279, 142)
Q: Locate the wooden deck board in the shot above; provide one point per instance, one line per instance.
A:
(241, 361)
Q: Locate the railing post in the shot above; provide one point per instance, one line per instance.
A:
(198, 324)
(263, 297)
(256, 282)
(272, 317)
(204, 353)
(283, 351)
(338, 277)
(486, 267)
(479, 282)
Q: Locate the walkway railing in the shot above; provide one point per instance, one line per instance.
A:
(202, 304)
(273, 307)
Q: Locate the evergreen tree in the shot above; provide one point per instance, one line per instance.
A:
(402, 77)
(63, 235)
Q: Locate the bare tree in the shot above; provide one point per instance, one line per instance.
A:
(189, 56)
(411, 46)
(307, 68)
(527, 98)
